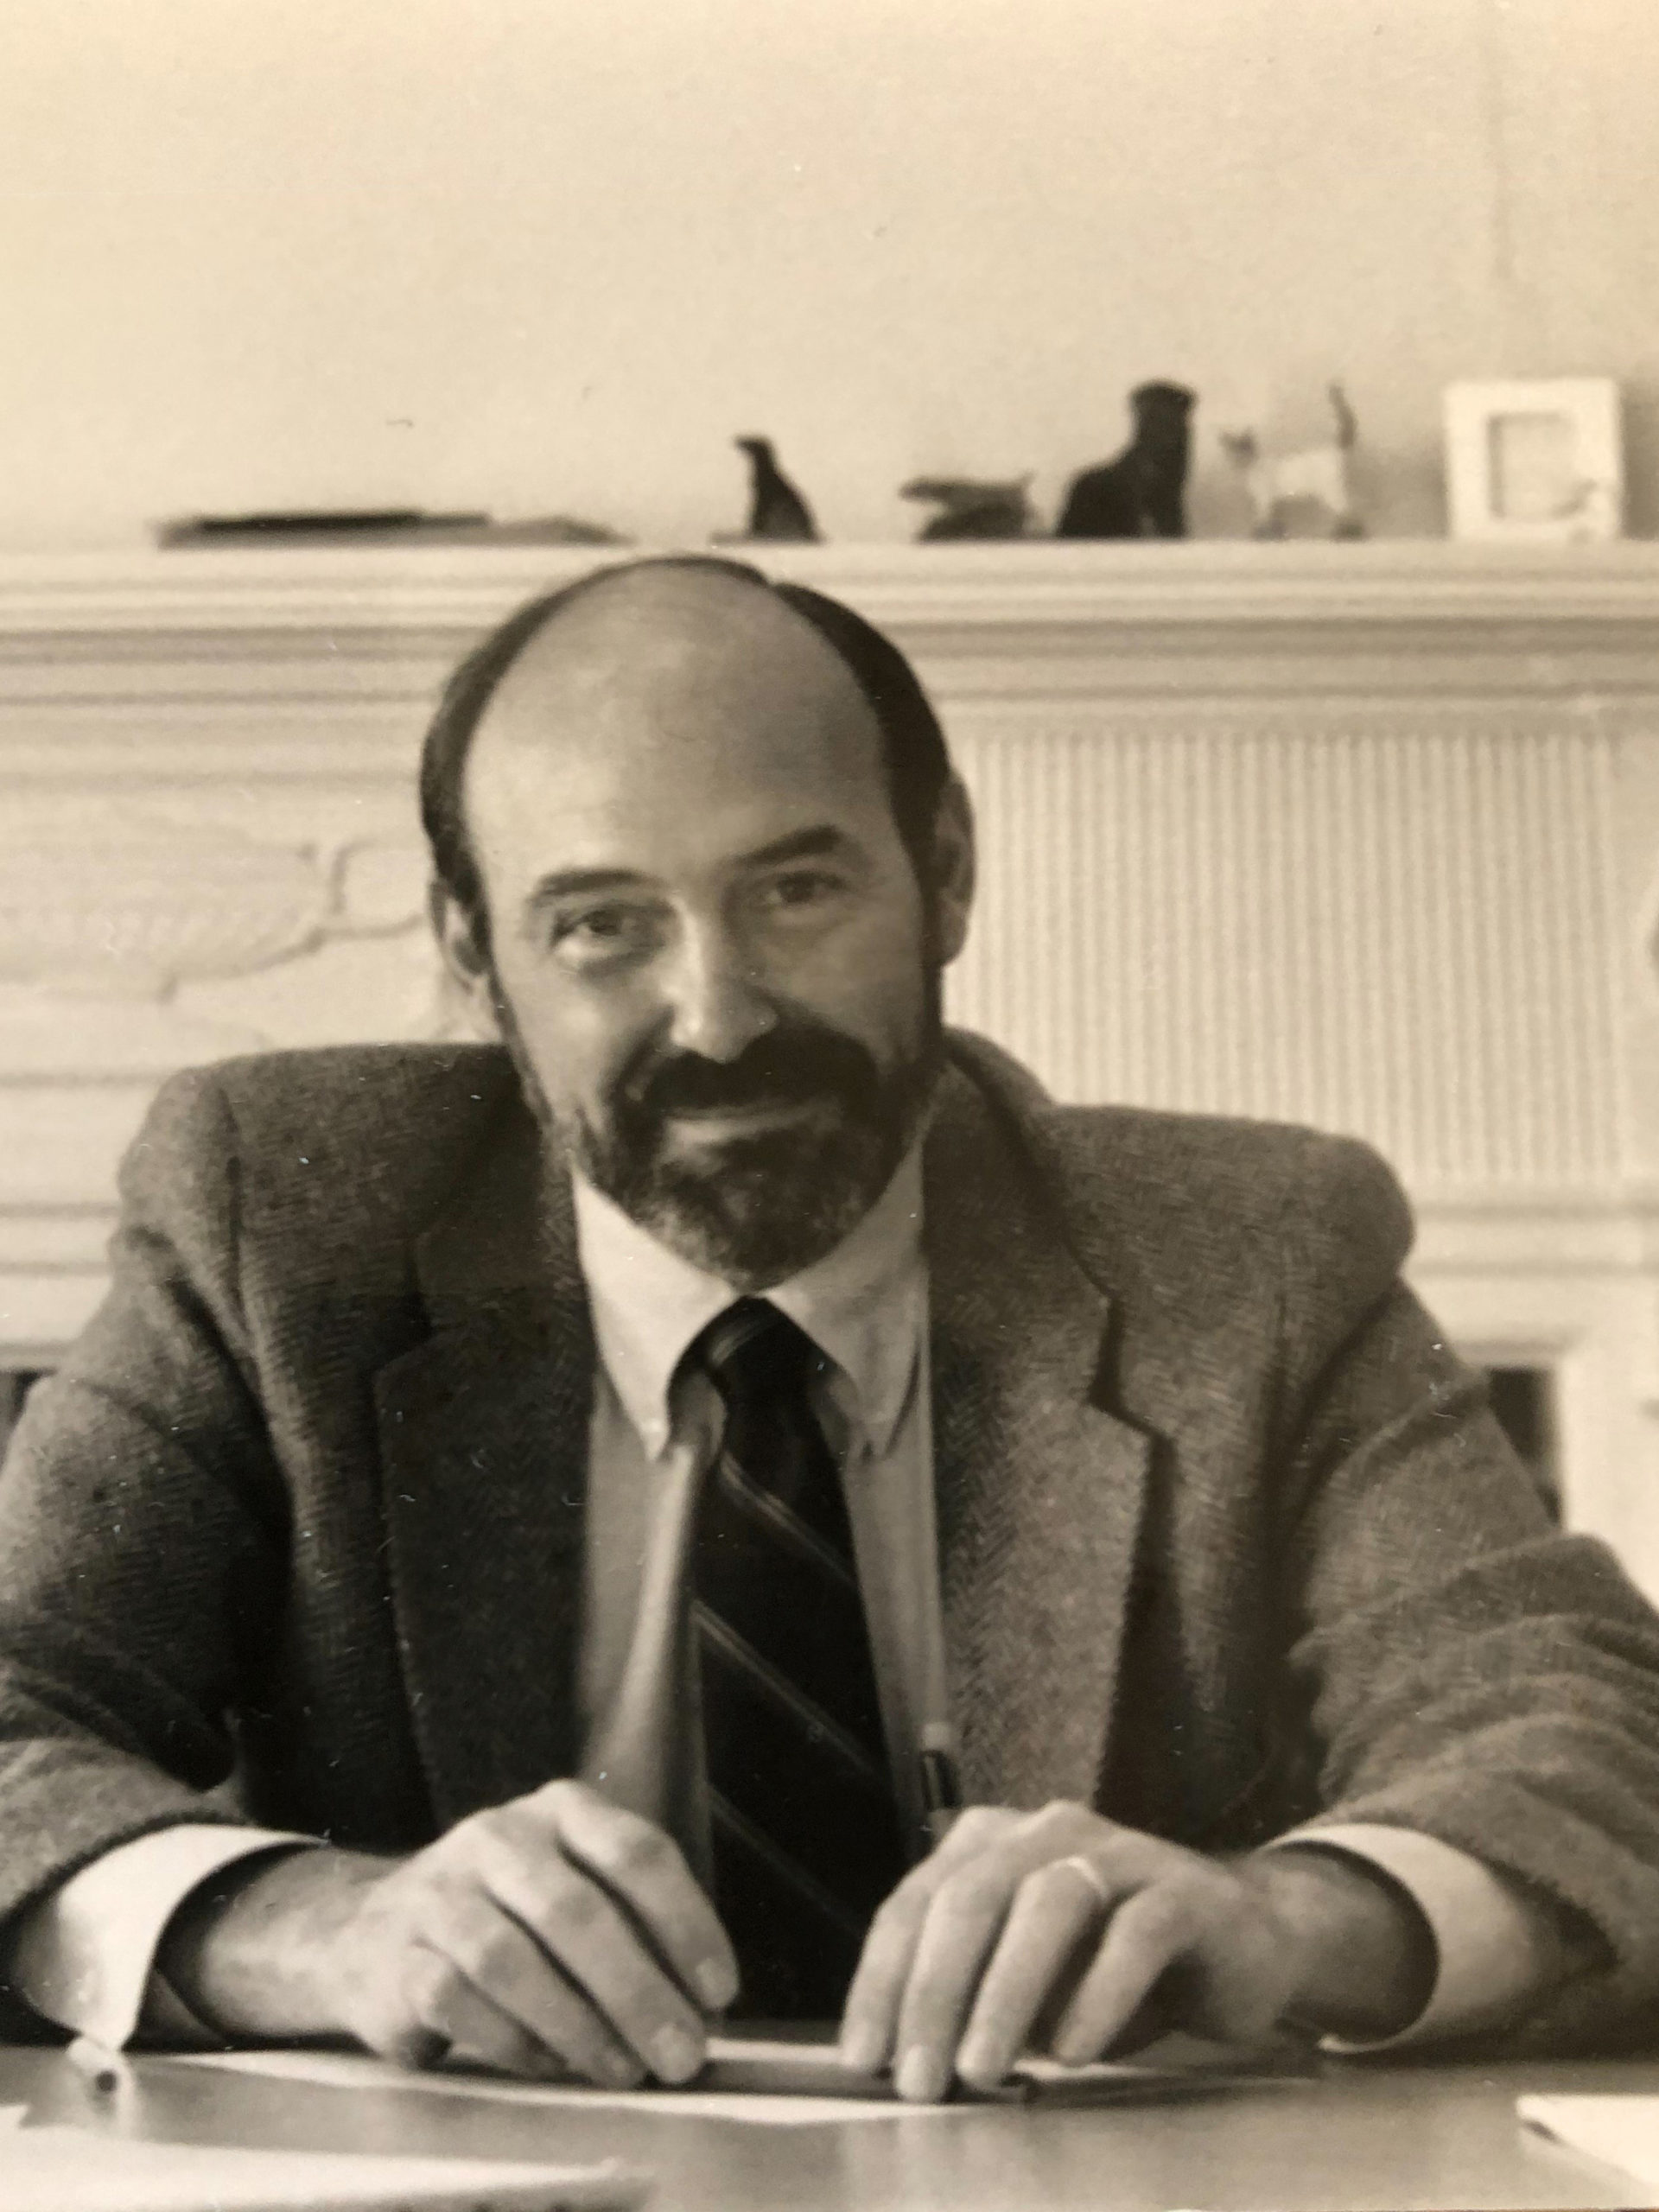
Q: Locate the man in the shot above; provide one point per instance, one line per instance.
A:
(597, 1488)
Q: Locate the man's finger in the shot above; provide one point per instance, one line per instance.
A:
(870, 2016)
(587, 1937)
(482, 1952)
(643, 1865)
(443, 2011)
(1144, 1937)
(1056, 1911)
(960, 1932)
(964, 1923)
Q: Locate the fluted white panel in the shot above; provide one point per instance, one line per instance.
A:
(1394, 923)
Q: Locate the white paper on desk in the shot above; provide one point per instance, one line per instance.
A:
(788, 2105)
(71, 2169)
(11, 2116)
(1619, 2130)
(341, 2070)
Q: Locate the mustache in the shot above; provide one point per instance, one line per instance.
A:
(792, 1063)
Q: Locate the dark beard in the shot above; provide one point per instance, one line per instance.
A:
(757, 1209)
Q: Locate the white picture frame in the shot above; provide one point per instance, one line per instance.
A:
(1535, 460)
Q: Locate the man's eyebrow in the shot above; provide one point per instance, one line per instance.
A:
(799, 845)
(574, 882)
(579, 883)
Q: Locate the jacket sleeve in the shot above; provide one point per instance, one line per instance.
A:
(1463, 1669)
(143, 1529)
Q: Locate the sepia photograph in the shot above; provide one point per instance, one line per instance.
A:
(829, 1105)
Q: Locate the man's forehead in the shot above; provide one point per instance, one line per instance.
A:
(667, 639)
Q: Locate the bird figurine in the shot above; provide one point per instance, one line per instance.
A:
(971, 508)
(776, 510)
(1139, 493)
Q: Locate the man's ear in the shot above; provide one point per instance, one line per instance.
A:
(954, 870)
(464, 959)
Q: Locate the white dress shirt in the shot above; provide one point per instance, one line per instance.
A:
(653, 1434)
(84, 1956)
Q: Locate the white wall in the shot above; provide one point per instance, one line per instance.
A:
(535, 254)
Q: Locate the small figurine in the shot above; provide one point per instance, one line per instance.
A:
(971, 509)
(1139, 493)
(1317, 479)
(776, 510)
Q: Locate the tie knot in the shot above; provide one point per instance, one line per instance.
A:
(753, 1350)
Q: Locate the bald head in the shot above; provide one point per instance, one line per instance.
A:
(656, 643)
(654, 661)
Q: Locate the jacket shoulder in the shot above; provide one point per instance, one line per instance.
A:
(334, 1137)
(351, 1098)
(1209, 1200)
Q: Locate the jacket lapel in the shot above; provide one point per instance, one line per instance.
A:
(1040, 1488)
(483, 1452)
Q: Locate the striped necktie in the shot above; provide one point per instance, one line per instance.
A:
(805, 1833)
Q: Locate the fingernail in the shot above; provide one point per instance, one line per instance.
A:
(674, 2055)
(977, 2062)
(919, 2080)
(621, 2071)
(715, 1982)
(862, 2049)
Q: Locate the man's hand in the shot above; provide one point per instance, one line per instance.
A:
(1060, 1928)
(556, 1932)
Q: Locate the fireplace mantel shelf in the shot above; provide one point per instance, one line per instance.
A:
(1406, 613)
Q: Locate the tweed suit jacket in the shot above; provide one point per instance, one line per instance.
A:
(1227, 1537)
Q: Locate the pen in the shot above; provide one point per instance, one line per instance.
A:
(941, 1787)
(102, 2069)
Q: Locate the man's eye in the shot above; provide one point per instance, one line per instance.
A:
(600, 933)
(801, 887)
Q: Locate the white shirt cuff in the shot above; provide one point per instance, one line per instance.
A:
(1492, 1951)
(83, 1955)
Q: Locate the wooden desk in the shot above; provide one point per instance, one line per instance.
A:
(1362, 2137)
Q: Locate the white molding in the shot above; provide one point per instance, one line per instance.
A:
(1039, 618)
(1537, 1230)
(1425, 581)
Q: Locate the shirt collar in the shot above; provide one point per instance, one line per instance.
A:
(863, 1304)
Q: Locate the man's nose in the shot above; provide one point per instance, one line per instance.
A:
(715, 998)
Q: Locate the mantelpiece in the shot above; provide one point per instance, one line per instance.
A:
(1366, 835)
